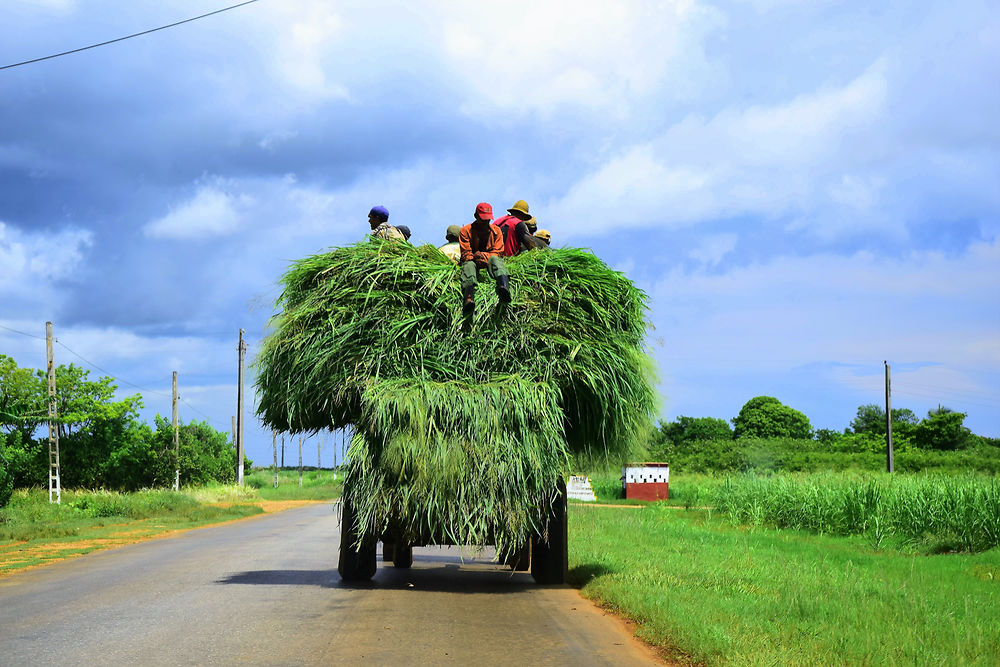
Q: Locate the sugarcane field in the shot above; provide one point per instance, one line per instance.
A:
(499, 333)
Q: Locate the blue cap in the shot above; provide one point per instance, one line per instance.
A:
(380, 211)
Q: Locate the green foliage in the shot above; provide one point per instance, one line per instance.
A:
(942, 429)
(22, 399)
(462, 426)
(871, 419)
(676, 435)
(102, 443)
(767, 417)
(836, 452)
(6, 480)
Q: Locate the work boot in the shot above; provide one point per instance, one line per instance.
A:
(468, 299)
(503, 289)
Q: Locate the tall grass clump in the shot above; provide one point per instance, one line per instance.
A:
(943, 512)
(462, 425)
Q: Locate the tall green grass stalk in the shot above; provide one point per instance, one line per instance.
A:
(943, 512)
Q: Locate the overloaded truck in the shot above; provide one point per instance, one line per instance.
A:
(464, 424)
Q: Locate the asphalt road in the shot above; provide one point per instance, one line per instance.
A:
(266, 591)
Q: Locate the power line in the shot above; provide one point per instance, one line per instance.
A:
(121, 39)
(22, 333)
(132, 384)
(109, 373)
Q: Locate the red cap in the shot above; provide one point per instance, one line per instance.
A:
(484, 211)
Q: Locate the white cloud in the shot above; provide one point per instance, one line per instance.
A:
(540, 54)
(30, 258)
(211, 212)
(781, 160)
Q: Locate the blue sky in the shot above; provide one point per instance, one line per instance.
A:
(804, 189)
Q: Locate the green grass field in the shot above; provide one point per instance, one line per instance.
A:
(712, 591)
(715, 593)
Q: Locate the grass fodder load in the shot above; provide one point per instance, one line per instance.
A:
(462, 425)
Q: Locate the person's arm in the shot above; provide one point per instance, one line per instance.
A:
(523, 237)
(465, 245)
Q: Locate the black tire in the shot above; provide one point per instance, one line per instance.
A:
(402, 555)
(355, 564)
(388, 550)
(550, 559)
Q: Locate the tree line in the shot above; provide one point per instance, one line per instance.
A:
(768, 433)
(102, 441)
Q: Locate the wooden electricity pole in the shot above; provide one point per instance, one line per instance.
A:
(55, 487)
(239, 414)
(177, 446)
(888, 420)
(300, 460)
(274, 446)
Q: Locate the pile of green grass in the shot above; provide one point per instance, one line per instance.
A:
(462, 425)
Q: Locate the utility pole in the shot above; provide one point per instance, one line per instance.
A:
(888, 420)
(239, 415)
(274, 446)
(177, 446)
(55, 488)
(300, 460)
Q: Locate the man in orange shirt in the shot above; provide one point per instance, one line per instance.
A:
(482, 246)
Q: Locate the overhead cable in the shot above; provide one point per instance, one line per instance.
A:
(121, 39)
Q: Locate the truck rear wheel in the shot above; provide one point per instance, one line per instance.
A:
(402, 555)
(550, 559)
(355, 564)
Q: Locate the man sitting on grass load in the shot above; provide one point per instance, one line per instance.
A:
(378, 218)
(515, 231)
(481, 247)
(451, 249)
(544, 237)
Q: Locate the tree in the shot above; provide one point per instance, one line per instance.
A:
(942, 429)
(22, 399)
(767, 417)
(871, 420)
(687, 429)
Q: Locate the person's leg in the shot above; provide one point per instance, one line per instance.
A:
(469, 275)
(469, 279)
(498, 271)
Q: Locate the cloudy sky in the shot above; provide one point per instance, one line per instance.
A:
(804, 188)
